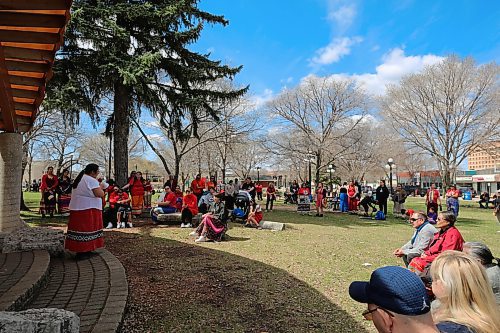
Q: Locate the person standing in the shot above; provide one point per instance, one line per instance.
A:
(171, 182)
(229, 195)
(85, 219)
(344, 206)
(258, 190)
(452, 196)
(270, 196)
(48, 188)
(352, 192)
(136, 185)
(197, 186)
(432, 198)
(381, 195)
(496, 210)
(64, 190)
(249, 187)
(320, 194)
(399, 199)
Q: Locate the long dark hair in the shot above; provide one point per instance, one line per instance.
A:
(88, 170)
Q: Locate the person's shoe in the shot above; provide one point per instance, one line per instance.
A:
(118, 225)
(110, 226)
(183, 225)
(123, 225)
(130, 225)
(193, 233)
(188, 225)
(201, 239)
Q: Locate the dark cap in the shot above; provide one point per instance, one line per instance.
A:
(395, 289)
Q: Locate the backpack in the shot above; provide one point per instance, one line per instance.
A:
(380, 215)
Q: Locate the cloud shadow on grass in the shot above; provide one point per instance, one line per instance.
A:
(201, 289)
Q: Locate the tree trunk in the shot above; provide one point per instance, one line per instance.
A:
(121, 130)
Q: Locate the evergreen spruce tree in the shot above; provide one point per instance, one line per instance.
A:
(130, 55)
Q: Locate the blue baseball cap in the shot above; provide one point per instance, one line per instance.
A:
(393, 288)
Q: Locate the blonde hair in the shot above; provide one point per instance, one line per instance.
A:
(468, 296)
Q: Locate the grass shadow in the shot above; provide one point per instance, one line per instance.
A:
(200, 289)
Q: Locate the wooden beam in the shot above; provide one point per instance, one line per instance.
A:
(28, 54)
(19, 19)
(34, 5)
(24, 113)
(6, 99)
(21, 120)
(29, 37)
(24, 107)
(24, 66)
(24, 93)
(26, 81)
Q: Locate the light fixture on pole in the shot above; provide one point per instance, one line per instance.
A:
(258, 174)
(310, 155)
(331, 170)
(390, 166)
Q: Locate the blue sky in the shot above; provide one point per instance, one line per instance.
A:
(280, 42)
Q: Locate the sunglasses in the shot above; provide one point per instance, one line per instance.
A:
(368, 314)
(413, 219)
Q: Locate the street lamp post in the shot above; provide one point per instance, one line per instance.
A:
(331, 170)
(310, 155)
(258, 174)
(390, 166)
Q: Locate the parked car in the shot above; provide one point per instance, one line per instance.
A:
(415, 190)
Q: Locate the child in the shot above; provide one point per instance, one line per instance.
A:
(255, 215)
(123, 210)
(432, 216)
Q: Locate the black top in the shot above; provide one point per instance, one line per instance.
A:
(343, 190)
(247, 187)
(451, 327)
(382, 193)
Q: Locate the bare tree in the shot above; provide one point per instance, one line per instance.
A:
(318, 113)
(246, 155)
(447, 110)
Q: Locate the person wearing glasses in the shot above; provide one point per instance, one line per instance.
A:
(448, 238)
(396, 299)
(419, 242)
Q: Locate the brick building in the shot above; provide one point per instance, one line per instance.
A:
(485, 157)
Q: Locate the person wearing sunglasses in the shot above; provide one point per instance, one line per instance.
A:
(419, 242)
(396, 299)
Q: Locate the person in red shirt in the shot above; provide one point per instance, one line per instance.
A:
(210, 183)
(148, 193)
(432, 198)
(452, 196)
(448, 238)
(136, 185)
(271, 196)
(166, 204)
(198, 185)
(179, 195)
(48, 188)
(189, 209)
(258, 190)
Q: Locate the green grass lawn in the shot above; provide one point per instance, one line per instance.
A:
(323, 254)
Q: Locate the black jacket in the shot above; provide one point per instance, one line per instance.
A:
(382, 193)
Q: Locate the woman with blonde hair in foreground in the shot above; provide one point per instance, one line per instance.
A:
(466, 301)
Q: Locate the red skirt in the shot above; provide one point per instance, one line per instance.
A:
(84, 231)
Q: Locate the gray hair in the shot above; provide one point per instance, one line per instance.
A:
(450, 217)
(480, 252)
(420, 215)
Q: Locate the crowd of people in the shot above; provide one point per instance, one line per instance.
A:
(56, 193)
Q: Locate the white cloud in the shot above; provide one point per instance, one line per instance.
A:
(343, 16)
(261, 99)
(394, 66)
(333, 52)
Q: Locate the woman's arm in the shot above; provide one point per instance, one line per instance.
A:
(98, 192)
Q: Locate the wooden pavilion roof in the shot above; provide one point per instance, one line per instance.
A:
(31, 31)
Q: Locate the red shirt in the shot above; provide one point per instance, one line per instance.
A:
(210, 184)
(432, 195)
(258, 188)
(303, 191)
(136, 187)
(172, 199)
(148, 187)
(191, 201)
(178, 200)
(198, 185)
(451, 239)
(453, 193)
(49, 183)
(271, 191)
(115, 197)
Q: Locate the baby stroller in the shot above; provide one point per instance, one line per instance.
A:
(241, 206)
(290, 199)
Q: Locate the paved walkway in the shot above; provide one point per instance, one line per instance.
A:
(95, 289)
(20, 274)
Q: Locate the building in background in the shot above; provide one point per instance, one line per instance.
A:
(485, 157)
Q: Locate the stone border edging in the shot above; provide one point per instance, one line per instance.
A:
(111, 316)
(25, 289)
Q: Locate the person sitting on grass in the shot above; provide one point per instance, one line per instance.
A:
(255, 215)
(123, 209)
(396, 301)
(206, 200)
(166, 204)
(448, 238)
(422, 237)
(464, 300)
(482, 253)
(213, 223)
(189, 209)
(368, 202)
(432, 216)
